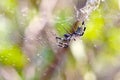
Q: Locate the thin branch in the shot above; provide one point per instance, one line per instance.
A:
(34, 30)
(43, 22)
(83, 15)
(84, 12)
(36, 26)
(52, 67)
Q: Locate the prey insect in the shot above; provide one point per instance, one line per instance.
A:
(75, 32)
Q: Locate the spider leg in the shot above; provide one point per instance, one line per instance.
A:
(58, 38)
(63, 42)
(60, 45)
(64, 45)
(82, 34)
(84, 28)
(83, 23)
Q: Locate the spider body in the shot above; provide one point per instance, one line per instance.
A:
(75, 32)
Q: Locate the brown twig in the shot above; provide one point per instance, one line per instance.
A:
(44, 19)
(83, 14)
(32, 32)
(36, 26)
(52, 67)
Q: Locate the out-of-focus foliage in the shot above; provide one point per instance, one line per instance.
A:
(12, 56)
(89, 57)
(8, 7)
(10, 53)
(95, 26)
(11, 24)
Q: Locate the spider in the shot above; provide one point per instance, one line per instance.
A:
(64, 42)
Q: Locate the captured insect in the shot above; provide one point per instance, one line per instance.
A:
(75, 32)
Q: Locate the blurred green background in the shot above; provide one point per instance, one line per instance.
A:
(95, 56)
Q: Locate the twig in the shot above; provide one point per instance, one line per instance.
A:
(44, 19)
(84, 12)
(34, 30)
(83, 15)
(36, 26)
(51, 68)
